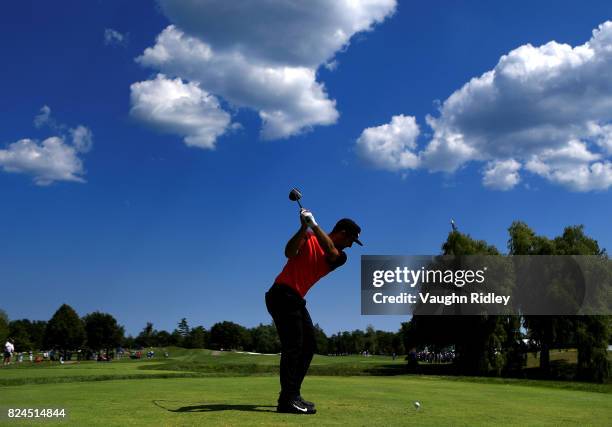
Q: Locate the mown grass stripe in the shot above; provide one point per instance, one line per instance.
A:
(91, 378)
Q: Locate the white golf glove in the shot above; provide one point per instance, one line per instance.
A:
(308, 218)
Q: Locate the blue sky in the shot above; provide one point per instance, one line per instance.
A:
(153, 184)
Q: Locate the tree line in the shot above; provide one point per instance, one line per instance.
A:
(67, 332)
(480, 345)
(494, 345)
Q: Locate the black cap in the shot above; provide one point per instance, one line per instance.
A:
(350, 227)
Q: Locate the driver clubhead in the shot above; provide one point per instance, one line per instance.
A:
(295, 195)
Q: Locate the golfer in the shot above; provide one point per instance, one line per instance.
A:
(311, 255)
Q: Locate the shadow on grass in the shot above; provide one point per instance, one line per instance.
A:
(215, 407)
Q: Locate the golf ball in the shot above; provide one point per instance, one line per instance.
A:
(417, 405)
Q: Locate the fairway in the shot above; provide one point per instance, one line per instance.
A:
(306, 213)
(251, 400)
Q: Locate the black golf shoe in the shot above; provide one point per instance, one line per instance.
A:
(295, 406)
(306, 402)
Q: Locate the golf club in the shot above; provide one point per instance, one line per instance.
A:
(295, 195)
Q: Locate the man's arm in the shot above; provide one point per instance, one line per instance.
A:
(331, 252)
(295, 243)
(326, 243)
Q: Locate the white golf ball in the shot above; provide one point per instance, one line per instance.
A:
(417, 405)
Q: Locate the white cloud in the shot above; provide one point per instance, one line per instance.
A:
(501, 175)
(181, 108)
(82, 139)
(291, 33)
(574, 166)
(44, 117)
(113, 37)
(263, 55)
(584, 177)
(391, 146)
(288, 99)
(548, 108)
(48, 161)
(54, 159)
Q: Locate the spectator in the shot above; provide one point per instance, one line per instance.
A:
(9, 349)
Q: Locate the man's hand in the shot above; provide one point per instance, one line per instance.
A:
(308, 218)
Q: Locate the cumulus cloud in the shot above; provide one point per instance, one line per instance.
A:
(278, 32)
(82, 139)
(501, 175)
(391, 146)
(114, 37)
(547, 109)
(55, 158)
(262, 55)
(181, 108)
(51, 160)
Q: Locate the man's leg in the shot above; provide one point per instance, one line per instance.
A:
(286, 310)
(287, 319)
(309, 344)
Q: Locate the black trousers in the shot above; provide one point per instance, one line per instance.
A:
(296, 333)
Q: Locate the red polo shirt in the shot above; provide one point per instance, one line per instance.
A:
(310, 264)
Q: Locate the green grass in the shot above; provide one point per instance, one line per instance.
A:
(190, 363)
(340, 401)
(211, 362)
(569, 356)
(219, 357)
(202, 387)
(27, 373)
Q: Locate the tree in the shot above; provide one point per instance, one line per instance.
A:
(163, 339)
(348, 342)
(147, 336)
(197, 337)
(65, 330)
(543, 330)
(102, 331)
(229, 335)
(573, 241)
(19, 330)
(370, 343)
(384, 342)
(477, 339)
(4, 326)
(183, 332)
(515, 350)
(265, 339)
(320, 340)
(357, 342)
(36, 329)
(588, 333)
(408, 335)
(129, 342)
(176, 339)
(592, 334)
(397, 344)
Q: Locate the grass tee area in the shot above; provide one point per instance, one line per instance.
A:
(201, 387)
